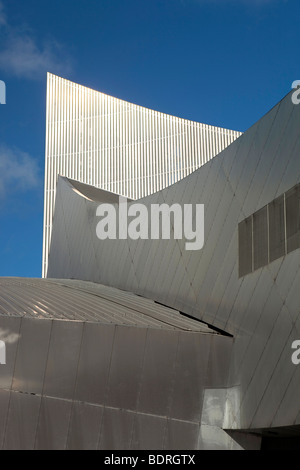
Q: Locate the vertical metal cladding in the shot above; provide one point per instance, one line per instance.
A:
(118, 146)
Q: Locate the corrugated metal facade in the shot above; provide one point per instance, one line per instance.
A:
(118, 146)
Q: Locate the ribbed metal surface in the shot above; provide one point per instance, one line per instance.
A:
(275, 230)
(118, 146)
(85, 301)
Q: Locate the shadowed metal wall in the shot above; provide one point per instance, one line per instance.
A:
(261, 309)
(90, 367)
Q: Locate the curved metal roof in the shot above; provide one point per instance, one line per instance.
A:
(86, 301)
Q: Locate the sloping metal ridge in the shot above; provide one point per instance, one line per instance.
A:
(92, 193)
(75, 300)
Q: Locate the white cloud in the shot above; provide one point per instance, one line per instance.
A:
(18, 171)
(21, 56)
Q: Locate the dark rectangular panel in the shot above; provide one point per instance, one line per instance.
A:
(126, 367)
(94, 362)
(10, 334)
(149, 432)
(245, 246)
(260, 238)
(190, 372)
(32, 355)
(63, 358)
(276, 229)
(292, 204)
(116, 429)
(220, 355)
(4, 402)
(84, 429)
(54, 419)
(158, 372)
(22, 421)
(181, 435)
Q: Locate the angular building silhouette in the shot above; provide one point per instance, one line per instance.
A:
(142, 344)
(118, 146)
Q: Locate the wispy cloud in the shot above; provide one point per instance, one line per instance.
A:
(22, 57)
(18, 171)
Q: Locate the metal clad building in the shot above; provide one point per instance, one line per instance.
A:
(118, 146)
(139, 343)
(244, 281)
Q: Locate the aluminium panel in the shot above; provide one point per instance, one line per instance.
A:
(116, 429)
(157, 382)
(181, 435)
(53, 425)
(84, 429)
(272, 358)
(63, 355)
(277, 229)
(189, 379)
(292, 206)
(292, 298)
(94, 362)
(4, 404)
(149, 432)
(219, 361)
(214, 438)
(22, 421)
(260, 238)
(125, 372)
(10, 334)
(32, 355)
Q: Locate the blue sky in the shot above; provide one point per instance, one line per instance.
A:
(220, 62)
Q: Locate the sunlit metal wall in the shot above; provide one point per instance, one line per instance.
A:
(118, 146)
(260, 309)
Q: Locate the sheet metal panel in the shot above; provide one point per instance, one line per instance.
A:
(260, 238)
(10, 334)
(149, 432)
(214, 438)
(32, 355)
(292, 204)
(279, 335)
(126, 367)
(4, 403)
(53, 425)
(116, 429)
(189, 381)
(62, 363)
(84, 429)
(22, 421)
(218, 362)
(94, 363)
(277, 228)
(159, 364)
(181, 435)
